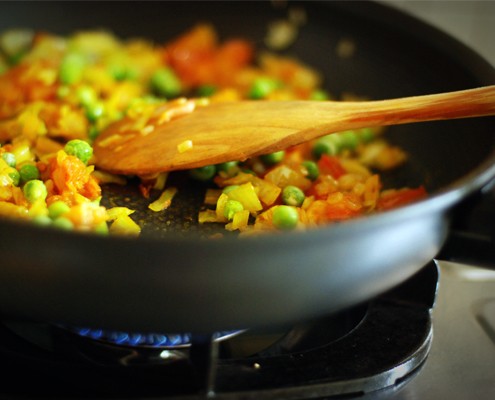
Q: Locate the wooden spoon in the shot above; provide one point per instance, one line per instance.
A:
(182, 134)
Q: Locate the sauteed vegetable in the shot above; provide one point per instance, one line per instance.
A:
(58, 93)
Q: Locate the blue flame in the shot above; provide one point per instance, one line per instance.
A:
(145, 339)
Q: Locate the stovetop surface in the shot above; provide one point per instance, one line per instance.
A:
(461, 362)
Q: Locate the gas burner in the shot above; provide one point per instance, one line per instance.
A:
(373, 346)
(156, 340)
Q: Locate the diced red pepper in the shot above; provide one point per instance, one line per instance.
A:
(200, 46)
(400, 197)
(323, 211)
(331, 165)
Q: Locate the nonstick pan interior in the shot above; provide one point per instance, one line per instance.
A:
(391, 59)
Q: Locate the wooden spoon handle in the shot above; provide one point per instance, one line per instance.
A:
(461, 104)
(301, 121)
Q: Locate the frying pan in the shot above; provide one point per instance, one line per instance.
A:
(172, 279)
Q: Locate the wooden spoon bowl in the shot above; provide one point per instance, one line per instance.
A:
(185, 134)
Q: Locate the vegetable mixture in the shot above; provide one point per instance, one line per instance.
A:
(58, 93)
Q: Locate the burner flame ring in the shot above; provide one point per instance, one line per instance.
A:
(154, 340)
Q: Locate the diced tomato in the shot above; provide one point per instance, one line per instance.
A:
(70, 176)
(22, 84)
(219, 62)
(331, 165)
(322, 187)
(342, 207)
(236, 52)
(230, 57)
(193, 48)
(91, 188)
(340, 212)
(400, 197)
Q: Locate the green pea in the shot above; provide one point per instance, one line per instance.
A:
(10, 159)
(28, 172)
(262, 87)
(230, 167)
(63, 223)
(366, 135)
(15, 176)
(293, 196)
(285, 217)
(63, 91)
(57, 209)
(319, 95)
(326, 145)
(102, 228)
(203, 173)
(80, 149)
(34, 190)
(150, 99)
(72, 68)
(94, 111)
(86, 95)
(93, 132)
(132, 73)
(350, 140)
(231, 207)
(165, 83)
(206, 90)
(16, 58)
(117, 71)
(273, 158)
(312, 170)
(42, 220)
(248, 171)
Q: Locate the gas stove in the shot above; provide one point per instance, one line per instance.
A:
(431, 337)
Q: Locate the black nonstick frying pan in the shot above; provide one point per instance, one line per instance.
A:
(173, 280)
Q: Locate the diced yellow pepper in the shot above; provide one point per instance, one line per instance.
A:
(86, 215)
(211, 196)
(124, 225)
(116, 212)
(12, 210)
(222, 200)
(38, 208)
(246, 195)
(267, 191)
(107, 177)
(207, 216)
(239, 222)
(164, 201)
(283, 176)
(160, 181)
(184, 146)
(22, 152)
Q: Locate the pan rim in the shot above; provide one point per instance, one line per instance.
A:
(439, 201)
